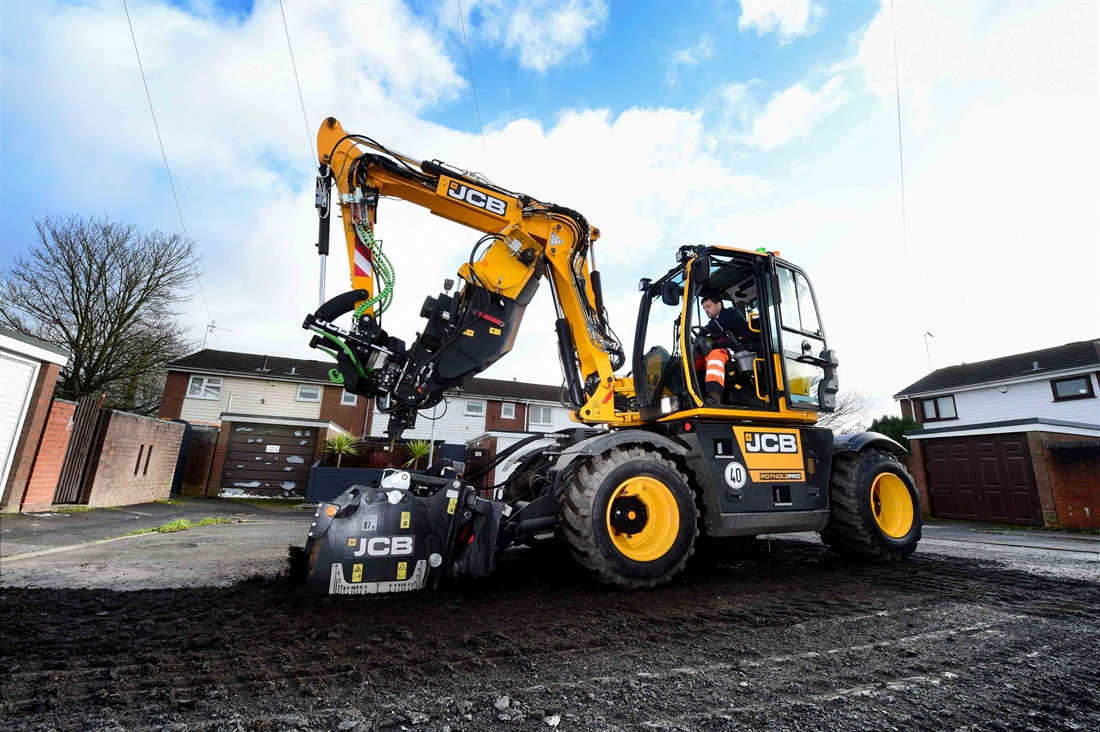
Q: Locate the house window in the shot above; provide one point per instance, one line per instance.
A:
(205, 387)
(1077, 387)
(347, 399)
(939, 408)
(475, 407)
(508, 410)
(542, 415)
(308, 393)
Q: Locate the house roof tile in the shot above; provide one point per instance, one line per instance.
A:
(1082, 354)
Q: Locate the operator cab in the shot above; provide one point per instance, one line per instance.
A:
(780, 363)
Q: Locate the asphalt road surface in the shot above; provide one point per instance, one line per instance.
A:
(976, 631)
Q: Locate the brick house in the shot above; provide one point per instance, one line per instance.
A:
(263, 403)
(1011, 440)
(271, 416)
(487, 416)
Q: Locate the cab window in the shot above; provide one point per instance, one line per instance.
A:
(660, 367)
(801, 338)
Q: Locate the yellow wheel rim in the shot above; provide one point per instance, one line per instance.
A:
(892, 505)
(657, 536)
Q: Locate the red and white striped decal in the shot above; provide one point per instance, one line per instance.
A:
(363, 264)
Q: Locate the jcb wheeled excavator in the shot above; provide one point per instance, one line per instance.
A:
(654, 465)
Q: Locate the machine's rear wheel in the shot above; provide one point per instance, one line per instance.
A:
(875, 511)
(628, 516)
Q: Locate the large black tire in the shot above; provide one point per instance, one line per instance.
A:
(583, 513)
(853, 529)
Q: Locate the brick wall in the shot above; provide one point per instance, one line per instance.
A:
(133, 461)
(171, 401)
(50, 456)
(350, 418)
(916, 469)
(22, 457)
(213, 485)
(495, 423)
(912, 408)
(1068, 479)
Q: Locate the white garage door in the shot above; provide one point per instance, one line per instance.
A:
(16, 380)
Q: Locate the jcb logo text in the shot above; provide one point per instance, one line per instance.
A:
(476, 198)
(383, 546)
(769, 442)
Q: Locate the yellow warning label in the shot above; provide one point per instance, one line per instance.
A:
(352, 542)
(494, 331)
(402, 570)
(406, 516)
(451, 505)
(357, 573)
(468, 332)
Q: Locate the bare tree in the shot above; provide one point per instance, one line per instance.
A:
(106, 292)
(850, 414)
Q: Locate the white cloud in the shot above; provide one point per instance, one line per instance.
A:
(793, 112)
(786, 18)
(1001, 191)
(540, 34)
(693, 55)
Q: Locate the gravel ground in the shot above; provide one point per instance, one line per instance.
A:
(755, 634)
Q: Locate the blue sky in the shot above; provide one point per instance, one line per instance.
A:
(754, 123)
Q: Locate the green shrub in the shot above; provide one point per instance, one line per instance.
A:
(417, 449)
(894, 427)
(342, 444)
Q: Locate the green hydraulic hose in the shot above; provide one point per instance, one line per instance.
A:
(382, 266)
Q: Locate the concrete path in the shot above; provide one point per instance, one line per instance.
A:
(23, 533)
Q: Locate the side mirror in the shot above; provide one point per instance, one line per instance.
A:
(700, 270)
(670, 293)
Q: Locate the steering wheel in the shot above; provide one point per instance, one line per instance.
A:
(699, 336)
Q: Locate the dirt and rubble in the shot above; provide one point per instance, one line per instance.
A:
(755, 634)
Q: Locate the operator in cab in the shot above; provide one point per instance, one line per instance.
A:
(732, 332)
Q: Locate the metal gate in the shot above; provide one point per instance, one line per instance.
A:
(74, 469)
(983, 478)
(268, 460)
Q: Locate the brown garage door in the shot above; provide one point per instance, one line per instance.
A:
(985, 478)
(268, 460)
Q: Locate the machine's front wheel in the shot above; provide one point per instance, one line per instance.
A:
(875, 511)
(629, 517)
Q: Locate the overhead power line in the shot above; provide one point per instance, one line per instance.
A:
(167, 169)
(305, 117)
(901, 155)
(473, 86)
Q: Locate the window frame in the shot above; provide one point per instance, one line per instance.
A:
(344, 394)
(205, 382)
(540, 407)
(935, 402)
(508, 404)
(1088, 383)
(466, 410)
(298, 393)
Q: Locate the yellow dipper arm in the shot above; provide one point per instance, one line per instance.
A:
(527, 233)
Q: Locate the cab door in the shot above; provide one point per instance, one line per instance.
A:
(809, 368)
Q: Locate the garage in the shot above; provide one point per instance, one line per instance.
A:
(19, 376)
(982, 478)
(270, 460)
